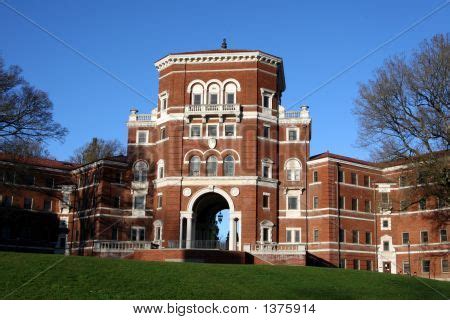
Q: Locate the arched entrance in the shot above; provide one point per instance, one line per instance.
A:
(210, 210)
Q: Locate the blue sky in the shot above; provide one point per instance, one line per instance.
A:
(316, 39)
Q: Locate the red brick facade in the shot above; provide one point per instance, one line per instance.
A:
(219, 139)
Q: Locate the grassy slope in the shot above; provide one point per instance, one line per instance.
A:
(94, 278)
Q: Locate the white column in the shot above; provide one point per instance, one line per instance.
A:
(188, 232)
(181, 233)
(232, 239)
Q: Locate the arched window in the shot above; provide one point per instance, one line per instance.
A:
(197, 94)
(160, 173)
(230, 93)
(211, 166)
(158, 230)
(266, 227)
(293, 168)
(140, 171)
(194, 166)
(213, 93)
(228, 166)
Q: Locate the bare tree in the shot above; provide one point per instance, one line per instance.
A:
(97, 149)
(403, 113)
(25, 112)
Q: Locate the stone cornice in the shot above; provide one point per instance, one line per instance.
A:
(195, 58)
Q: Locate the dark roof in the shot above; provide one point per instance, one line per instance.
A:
(41, 162)
(336, 156)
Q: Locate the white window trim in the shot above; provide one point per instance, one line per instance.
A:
(422, 266)
(163, 95)
(357, 237)
(137, 136)
(160, 165)
(158, 224)
(190, 130)
(343, 203)
(267, 93)
(404, 232)
(228, 124)
(314, 202)
(159, 196)
(293, 238)
(440, 236)
(389, 224)
(420, 237)
(137, 232)
(217, 130)
(357, 204)
(32, 202)
(268, 202)
(266, 225)
(357, 179)
(287, 202)
(139, 212)
(160, 131)
(297, 130)
(442, 266)
(266, 126)
(266, 163)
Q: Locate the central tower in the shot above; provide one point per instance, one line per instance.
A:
(220, 139)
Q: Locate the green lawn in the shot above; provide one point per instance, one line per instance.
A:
(40, 276)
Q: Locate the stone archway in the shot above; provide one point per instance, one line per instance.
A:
(198, 225)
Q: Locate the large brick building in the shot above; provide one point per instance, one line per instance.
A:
(220, 139)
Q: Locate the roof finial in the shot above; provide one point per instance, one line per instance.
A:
(224, 43)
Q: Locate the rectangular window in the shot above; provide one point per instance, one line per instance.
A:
(425, 265)
(164, 104)
(443, 234)
(384, 197)
(28, 203)
(340, 176)
(341, 202)
(292, 203)
(369, 265)
(212, 130)
(385, 245)
(197, 98)
(354, 178)
(265, 201)
(139, 202)
(28, 180)
(229, 130)
(195, 131)
(230, 98)
(213, 98)
(116, 202)
(316, 235)
(423, 204)
(368, 237)
(292, 134)
(444, 265)
(160, 204)
(367, 206)
(118, 177)
(7, 201)
(293, 235)
(316, 202)
(406, 267)
(405, 237)
(385, 223)
(424, 236)
(356, 264)
(49, 182)
(315, 176)
(265, 232)
(265, 171)
(354, 204)
(366, 181)
(342, 263)
(266, 132)
(341, 235)
(47, 205)
(162, 134)
(114, 233)
(137, 234)
(266, 102)
(355, 236)
(142, 137)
